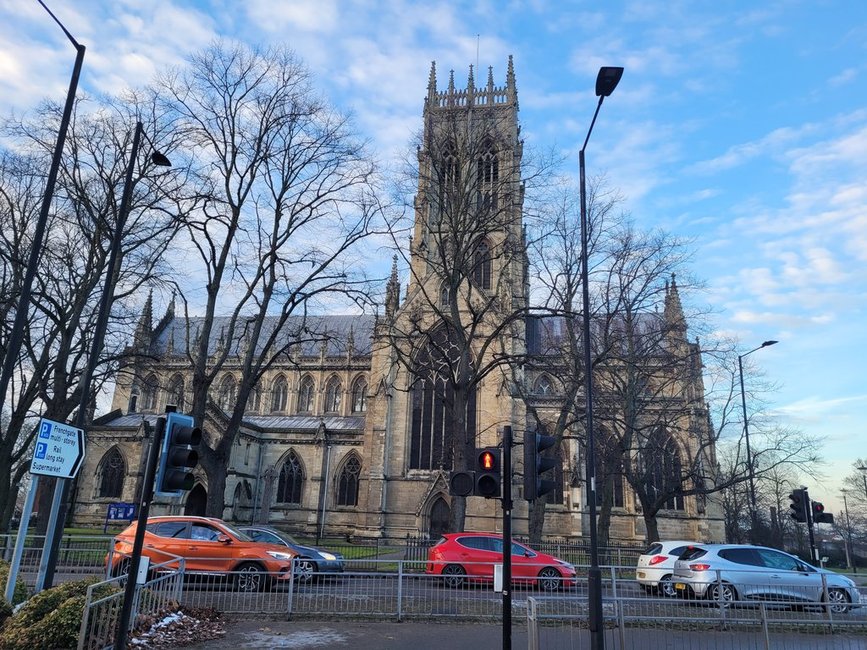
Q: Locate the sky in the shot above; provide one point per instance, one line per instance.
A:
(738, 124)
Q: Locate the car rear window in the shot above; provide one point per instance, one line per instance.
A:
(692, 553)
(654, 549)
(677, 550)
(478, 543)
(746, 556)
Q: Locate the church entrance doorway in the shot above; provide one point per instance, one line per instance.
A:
(439, 518)
(197, 502)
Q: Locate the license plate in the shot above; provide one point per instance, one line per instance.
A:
(679, 586)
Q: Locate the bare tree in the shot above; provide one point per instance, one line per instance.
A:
(286, 192)
(73, 261)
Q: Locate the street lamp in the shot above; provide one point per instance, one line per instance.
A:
(606, 82)
(850, 549)
(61, 492)
(863, 471)
(16, 334)
(750, 470)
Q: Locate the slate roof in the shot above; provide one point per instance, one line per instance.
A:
(310, 331)
(272, 422)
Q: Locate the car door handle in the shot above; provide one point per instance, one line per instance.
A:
(774, 575)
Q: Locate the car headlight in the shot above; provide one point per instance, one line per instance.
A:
(327, 556)
(848, 581)
(567, 565)
(277, 555)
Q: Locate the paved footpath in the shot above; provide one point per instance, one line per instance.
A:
(360, 635)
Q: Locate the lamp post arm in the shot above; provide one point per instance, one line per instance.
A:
(72, 40)
(592, 122)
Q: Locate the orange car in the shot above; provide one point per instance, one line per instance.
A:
(209, 546)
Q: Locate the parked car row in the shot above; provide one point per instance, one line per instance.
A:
(253, 556)
(728, 573)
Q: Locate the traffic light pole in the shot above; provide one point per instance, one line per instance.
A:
(808, 508)
(507, 538)
(147, 493)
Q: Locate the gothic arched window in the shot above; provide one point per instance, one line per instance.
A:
(306, 392)
(359, 395)
(487, 178)
(149, 393)
(110, 475)
(663, 469)
(347, 482)
(544, 386)
(279, 394)
(227, 392)
(254, 399)
(176, 392)
(333, 394)
(482, 266)
(433, 422)
(291, 480)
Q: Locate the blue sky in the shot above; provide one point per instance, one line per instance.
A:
(741, 124)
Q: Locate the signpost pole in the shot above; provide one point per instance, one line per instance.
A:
(147, 495)
(22, 535)
(50, 534)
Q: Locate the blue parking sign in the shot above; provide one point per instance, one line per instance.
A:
(41, 449)
(45, 429)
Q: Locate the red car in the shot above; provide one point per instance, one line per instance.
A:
(459, 557)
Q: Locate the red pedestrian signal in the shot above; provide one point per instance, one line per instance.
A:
(488, 475)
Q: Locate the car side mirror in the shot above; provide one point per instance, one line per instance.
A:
(224, 539)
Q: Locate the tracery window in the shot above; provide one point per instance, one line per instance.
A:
(359, 395)
(482, 266)
(149, 393)
(227, 392)
(306, 393)
(110, 474)
(291, 480)
(663, 469)
(347, 482)
(176, 393)
(279, 394)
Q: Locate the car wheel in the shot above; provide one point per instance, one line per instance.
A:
(666, 587)
(249, 577)
(838, 601)
(549, 579)
(304, 569)
(454, 575)
(722, 593)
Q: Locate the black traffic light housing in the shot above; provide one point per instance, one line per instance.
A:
(178, 455)
(535, 464)
(488, 473)
(798, 507)
(462, 483)
(819, 514)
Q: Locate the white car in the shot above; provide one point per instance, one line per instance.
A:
(656, 566)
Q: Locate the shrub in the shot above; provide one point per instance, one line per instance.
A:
(20, 594)
(51, 619)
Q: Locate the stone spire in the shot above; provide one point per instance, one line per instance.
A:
(511, 88)
(673, 311)
(451, 82)
(471, 82)
(432, 82)
(143, 330)
(392, 291)
(490, 79)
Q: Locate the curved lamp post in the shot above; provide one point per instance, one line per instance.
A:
(863, 470)
(750, 469)
(16, 334)
(606, 82)
(61, 492)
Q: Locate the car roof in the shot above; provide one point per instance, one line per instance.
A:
(185, 518)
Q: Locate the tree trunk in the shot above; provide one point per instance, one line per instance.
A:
(215, 469)
(651, 525)
(537, 520)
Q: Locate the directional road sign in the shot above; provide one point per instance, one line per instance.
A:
(59, 450)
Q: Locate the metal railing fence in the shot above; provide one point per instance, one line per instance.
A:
(104, 602)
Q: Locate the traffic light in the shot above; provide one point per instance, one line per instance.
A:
(488, 472)
(462, 483)
(178, 455)
(798, 507)
(819, 514)
(535, 464)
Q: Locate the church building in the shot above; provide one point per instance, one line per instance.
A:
(355, 434)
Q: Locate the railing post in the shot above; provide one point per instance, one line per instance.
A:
(828, 613)
(291, 591)
(85, 616)
(399, 590)
(532, 625)
(621, 617)
(764, 614)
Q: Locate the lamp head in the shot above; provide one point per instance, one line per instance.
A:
(160, 160)
(863, 468)
(607, 80)
(767, 343)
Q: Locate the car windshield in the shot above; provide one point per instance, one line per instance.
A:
(692, 553)
(242, 537)
(286, 537)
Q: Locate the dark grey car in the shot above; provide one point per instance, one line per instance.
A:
(310, 562)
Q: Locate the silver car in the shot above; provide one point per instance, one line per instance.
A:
(735, 572)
